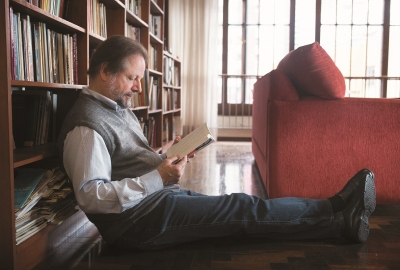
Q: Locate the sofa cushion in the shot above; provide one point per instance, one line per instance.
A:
(313, 72)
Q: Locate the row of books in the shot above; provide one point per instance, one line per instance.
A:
(55, 7)
(171, 72)
(170, 99)
(155, 25)
(41, 54)
(132, 32)
(41, 197)
(152, 57)
(149, 130)
(149, 95)
(97, 18)
(135, 6)
(173, 128)
(33, 112)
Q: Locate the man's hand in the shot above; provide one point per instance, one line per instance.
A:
(171, 173)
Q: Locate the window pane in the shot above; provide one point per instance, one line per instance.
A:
(220, 48)
(248, 99)
(266, 63)
(235, 50)
(328, 12)
(282, 11)
(343, 47)
(234, 91)
(358, 52)
(252, 11)
(219, 89)
(393, 89)
(373, 88)
(220, 11)
(394, 12)
(235, 12)
(375, 12)
(274, 11)
(394, 52)
(374, 59)
(281, 43)
(344, 11)
(267, 11)
(360, 11)
(304, 23)
(328, 40)
(252, 50)
(274, 45)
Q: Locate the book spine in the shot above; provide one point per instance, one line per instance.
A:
(30, 53)
(75, 57)
(50, 56)
(12, 46)
(37, 52)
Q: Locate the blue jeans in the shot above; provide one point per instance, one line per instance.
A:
(187, 216)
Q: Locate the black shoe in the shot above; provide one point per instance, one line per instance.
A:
(361, 206)
(350, 188)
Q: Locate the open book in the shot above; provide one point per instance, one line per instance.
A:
(192, 143)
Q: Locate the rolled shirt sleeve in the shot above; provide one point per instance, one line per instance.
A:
(88, 164)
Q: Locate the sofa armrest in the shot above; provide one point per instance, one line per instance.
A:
(273, 86)
(315, 146)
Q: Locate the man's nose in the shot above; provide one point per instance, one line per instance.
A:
(137, 86)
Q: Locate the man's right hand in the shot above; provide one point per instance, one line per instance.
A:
(171, 172)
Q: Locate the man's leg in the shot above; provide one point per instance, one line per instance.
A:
(188, 216)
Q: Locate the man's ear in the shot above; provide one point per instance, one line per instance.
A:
(103, 72)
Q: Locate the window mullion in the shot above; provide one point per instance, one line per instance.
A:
(385, 46)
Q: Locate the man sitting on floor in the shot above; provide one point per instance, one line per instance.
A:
(131, 194)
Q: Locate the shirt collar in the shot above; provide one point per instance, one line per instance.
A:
(109, 102)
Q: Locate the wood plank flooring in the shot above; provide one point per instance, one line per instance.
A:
(223, 168)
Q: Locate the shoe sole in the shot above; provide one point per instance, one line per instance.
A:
(369, 207)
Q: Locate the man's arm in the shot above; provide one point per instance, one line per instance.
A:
(88, 164)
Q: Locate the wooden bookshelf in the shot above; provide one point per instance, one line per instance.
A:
(171, 100)
(75, 22)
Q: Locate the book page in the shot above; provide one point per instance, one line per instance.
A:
(194, 141)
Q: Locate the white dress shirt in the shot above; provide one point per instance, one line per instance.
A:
(88, 164)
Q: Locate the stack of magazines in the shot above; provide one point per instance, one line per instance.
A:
(41, 197)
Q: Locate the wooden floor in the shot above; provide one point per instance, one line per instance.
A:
(223, 168)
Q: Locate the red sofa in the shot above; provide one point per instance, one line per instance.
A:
(308, 146)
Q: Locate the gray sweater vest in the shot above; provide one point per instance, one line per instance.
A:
(131, 156)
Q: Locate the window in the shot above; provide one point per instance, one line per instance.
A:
(361, 36)
(255, 37)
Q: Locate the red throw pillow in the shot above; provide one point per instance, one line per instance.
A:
(313, 72)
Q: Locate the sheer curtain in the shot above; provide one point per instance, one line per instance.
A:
(193, 37)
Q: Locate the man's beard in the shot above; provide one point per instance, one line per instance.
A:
(119, 97)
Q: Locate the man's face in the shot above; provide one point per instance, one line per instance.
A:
(121, 86)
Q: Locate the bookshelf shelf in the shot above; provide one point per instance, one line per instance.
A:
(155, 9)
(27, 155)
(114, 4)
(155, 72)
(75, 23)
(155, 111)
(135, 20)
(96, 39)
(56, 22)
(154, 39)
(45, 85)
(172, 111)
